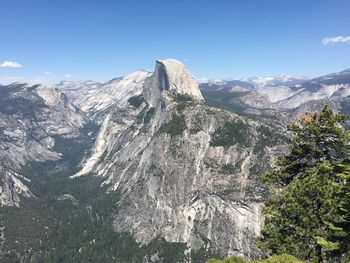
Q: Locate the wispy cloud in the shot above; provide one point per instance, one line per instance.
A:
(335, 40)
(10, 64)
(48, 73)
(67, 75)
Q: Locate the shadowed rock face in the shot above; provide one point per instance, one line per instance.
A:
(186, 171)
(161, 76)
(174, 76)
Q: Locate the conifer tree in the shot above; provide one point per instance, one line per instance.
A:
(303, 207)
(343, 222)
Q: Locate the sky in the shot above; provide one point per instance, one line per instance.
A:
(53, 40)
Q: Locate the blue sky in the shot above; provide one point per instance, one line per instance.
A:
(80, 39)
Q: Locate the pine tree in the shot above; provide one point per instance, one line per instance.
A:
(303, 207)
(343, 223)
(318, 136)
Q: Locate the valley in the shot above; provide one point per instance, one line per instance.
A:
(150, 167)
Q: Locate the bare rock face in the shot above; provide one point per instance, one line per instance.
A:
(170, 76)
(13, 188)
(186, 171)
(174, 76)
(96, 99)
(30, 118)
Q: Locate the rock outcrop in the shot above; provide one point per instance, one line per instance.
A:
(172, 75)
(186, 171)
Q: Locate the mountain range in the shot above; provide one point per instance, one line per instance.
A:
(168, 170)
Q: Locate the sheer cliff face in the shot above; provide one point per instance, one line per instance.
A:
(30, 118)
(186, 171)
(172, 75)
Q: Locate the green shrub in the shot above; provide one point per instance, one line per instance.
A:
(136, 101)
(183, 97)
(183, 101)
(269, 136)
(284, 258)
(230, 133)
(149, 114)
(233, 259)
(228, 168)
(176, 126)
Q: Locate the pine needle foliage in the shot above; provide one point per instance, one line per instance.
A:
(308, 208)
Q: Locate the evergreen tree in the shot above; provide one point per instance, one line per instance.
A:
(343, 223)
(318, 136)
(301, 212)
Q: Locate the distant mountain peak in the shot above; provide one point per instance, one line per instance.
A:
(173, 75)
(346, 71)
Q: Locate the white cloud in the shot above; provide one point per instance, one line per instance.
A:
(48, 73)
(67, 75)
(334, 40)
(10, 64)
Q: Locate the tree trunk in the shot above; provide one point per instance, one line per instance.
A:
(319, 254)
(324, 257)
